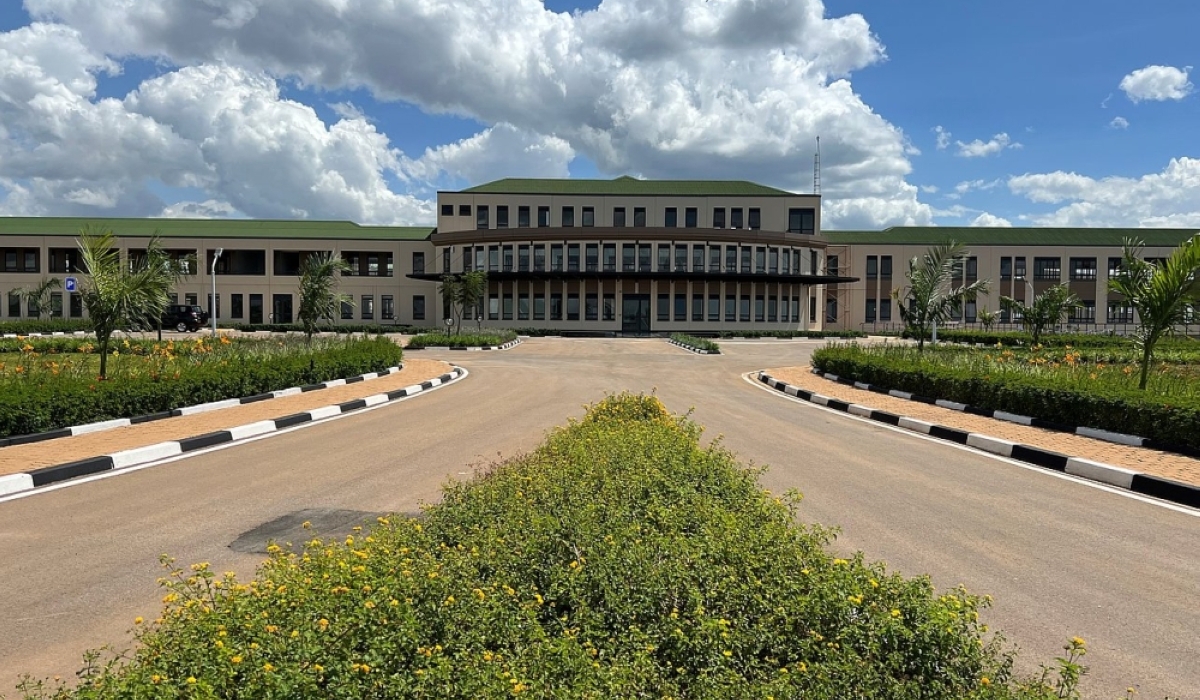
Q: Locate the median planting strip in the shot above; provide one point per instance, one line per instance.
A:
(1020, 442)
(472, 348)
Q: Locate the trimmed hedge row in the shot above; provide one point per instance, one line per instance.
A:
(461, 340)
(693, 342)
(620, 560)
(28, 326)
(33, 408)
(1126, 411)
(791, 334)
(1075, 340)
(338, 328)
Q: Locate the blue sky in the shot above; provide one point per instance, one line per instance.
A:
(934, 113)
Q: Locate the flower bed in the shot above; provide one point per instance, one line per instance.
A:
(621, 559)
(461, 340)
(52, 388)
(792, 334)
(693, 343)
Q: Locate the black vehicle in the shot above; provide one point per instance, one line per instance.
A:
(184, 317)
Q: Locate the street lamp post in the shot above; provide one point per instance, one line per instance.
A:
(213, 301)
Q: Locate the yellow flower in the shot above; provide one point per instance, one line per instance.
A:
(137, 620)
(236, 659)
(895, 613)
(268, 668)
(191, 680)
(1078, 641)
(985, 681)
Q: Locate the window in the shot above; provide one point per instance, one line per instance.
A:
(832, 263)
(885, 311)
(664, 307)
(387, 307)
(31, 308)
(539, 308)
(681, 251)
(714, 258)
(573, 257)
(643, 257)
(773, 261)
(543, 217)
(680, 307)
(592, 257)
(760, 260)
(787, 261)
(14, 304)
(619, 216)
(556, 257)
(418, 307)
(972, 268)
(697, 307)
(744, 308)
(1086, 313)
(1115, 265)
(522, 217)
(539, 258)
(671, 219)
(236, 309)
(1083, 269)
(347, 311)
(56, 305)
(493, 307)
(610, 257)
(506, 255)
(502, 216)
(746, 252)
(812, 261)
(664, 257)
(568, 216)
(730, 307)
(76, 305)
(368, 307)
(872, 267)
(353, 264)
(464, 210)
(785, 307)
(691, 217)
(610, 307)
(760, 312)
(731, 258)
(493, 258)
(481, 218)
(698, 258)
(191, 299)
(885, 267)
(508, 307)
(447, 210)
(523, 307)
(870, 311)
(573, 306)
(523, 258)
(772, 309)
(1047, 269)
(735, 217)
(389, 268)
(802, 221)
(591, 307)
(639, 216)
(628, 257)
(1019, 267)
(1120, 312)
(755, 218)
(373, 265)
(31, 261)
(714, 308)
(589, 216)
(719, 217)
(556, 306)
(1006, 270)
(10, 261)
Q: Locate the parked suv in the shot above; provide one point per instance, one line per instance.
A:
(184, 317)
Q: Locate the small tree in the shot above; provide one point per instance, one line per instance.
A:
(319, 298)
(38, 296)
(987, 319)
(117, 295)
(462, 293)
(1047, 309)
(1159, 293)
(930, 295)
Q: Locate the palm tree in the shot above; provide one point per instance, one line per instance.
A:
(319, 298)
(116, 295)
(38, 295)
(1159, 293)
(462, 293)
(1046, 309)
(987, 319)
(930, 296)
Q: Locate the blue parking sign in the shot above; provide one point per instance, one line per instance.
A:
(71, 284)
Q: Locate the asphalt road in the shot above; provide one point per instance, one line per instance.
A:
(1062, 558)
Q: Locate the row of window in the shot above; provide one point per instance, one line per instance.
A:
(1044, 268)
(635, 257)
(597, 307)
(800, 220)
(1118, 312)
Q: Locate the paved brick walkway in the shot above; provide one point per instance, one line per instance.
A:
(21, 458)
(1141, 459)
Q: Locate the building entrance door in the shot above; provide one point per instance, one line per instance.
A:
(281, 305)
(635, 314)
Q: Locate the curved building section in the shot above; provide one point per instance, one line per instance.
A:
(635, 256)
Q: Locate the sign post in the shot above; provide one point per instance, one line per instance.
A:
(71, 285)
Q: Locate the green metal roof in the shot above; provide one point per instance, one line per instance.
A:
(212, 228)
(985, 236)
(628, 186)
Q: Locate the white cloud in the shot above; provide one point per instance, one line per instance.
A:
(943, 137)
(1167, 199)
(736, 87)
(348, 110)
(208, 209)
(1157, 83)
(986, 219)
(1119, 123)
(499, 151)
(968, 185)
(929, 189)
(980, 149)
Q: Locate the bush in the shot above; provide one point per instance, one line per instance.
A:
(461, 340)
(792, 334)
(695, 343)
(28, 326)
(336, 328)
(1078, 399)
(621, 559)
(1021, 338)
(61, 401)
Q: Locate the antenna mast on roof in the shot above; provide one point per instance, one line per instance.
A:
(817, 168)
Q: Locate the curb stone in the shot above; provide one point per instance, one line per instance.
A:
(477, 348)
(698, 351)
(15, 483)
(188, 410)
(1145, 484)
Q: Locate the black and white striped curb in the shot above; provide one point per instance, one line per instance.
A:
(1083, 431)
(698, 351)
(189, 410)
(53, 334)
(1146, 484)
(14, 483)
(476, 348)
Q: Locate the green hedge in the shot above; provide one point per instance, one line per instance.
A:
(1075, 340)
(28, 326)
(1118, 410)
(791, 334)
(461, 340)
(696, 343)
(338, 328)
(33, 408)
(621, 559)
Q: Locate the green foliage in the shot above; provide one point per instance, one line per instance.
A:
(319, 298)
(55, 391)
(1062, 385)
(930, 296)
(695, 343)
(987, 318)
(461, 340)
(463, 293)
(791, 334)
(1047, 309)
(54, 325)
(38, 295)
(1159, 293)
(375, 328)
(621, 559)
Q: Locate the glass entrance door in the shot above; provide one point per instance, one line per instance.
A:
(281, 305)
(635, 314)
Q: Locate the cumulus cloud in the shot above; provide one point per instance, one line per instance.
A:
(1119, 123)
(737, 87)
(968, 185)
(943, 137)
(990, 220)
(1167, 199)
(981, 149)
(1157, 83)
(499, 151)
(208, 209)
(929, 189)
